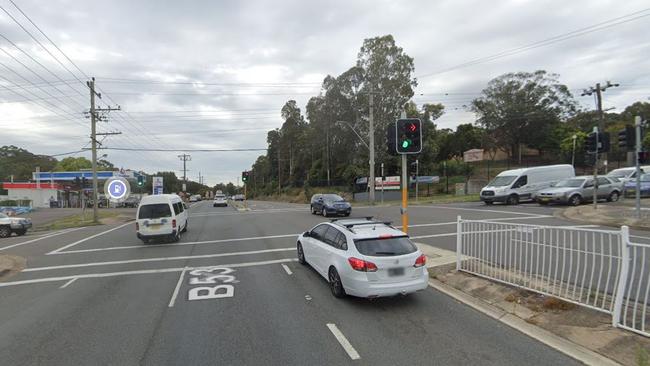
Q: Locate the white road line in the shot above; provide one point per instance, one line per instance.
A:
(88, 238)
(159, 259)
(179, 244)
(41, 238)
(343, 341)
(137, 272)
(287, 269)
(473, 209)
(178, 287)
(68, 283)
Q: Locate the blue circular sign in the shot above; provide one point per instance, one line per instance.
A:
(117, 189)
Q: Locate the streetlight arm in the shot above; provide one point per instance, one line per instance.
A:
(356, 133)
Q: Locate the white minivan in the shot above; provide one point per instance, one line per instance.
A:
(161, 216)
(513, 186)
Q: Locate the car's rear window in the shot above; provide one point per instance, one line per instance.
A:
(154, 211)
(219, 197)
(385, 247)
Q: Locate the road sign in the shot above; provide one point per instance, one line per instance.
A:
(117, 189)
(157, 184)
(473, 155)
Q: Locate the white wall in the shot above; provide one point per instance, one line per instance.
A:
(39, 197)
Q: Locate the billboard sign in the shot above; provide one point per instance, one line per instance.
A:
(473, 155)
(157, 184)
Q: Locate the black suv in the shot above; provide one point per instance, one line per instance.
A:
(329, 204)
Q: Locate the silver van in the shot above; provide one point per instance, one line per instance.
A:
(513, 186)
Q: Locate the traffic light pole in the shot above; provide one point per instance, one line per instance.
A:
(595, 197)
(405, 190)
(637, 126)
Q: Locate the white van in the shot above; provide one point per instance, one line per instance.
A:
(513, 186)
(161, 216)
(625, 175)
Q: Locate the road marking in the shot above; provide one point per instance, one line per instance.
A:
(56, 251)
(287, 269)
(159, 259)
(177, 288)
(137, 272)
(68, 283)
(474, 209)
(343, 341)
(179, 244)
(41, 237)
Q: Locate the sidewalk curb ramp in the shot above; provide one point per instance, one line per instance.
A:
(441, 260)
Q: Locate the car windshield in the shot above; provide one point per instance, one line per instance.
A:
(333, 198)
(155, 211)
(219, 197)
(502, 180)
(570, 183)
(385, 247)
(618, 173)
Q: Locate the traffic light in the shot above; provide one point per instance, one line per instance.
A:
(140, 180)
(391, 139)
(644, 157)
(626, 138)
(409, 136)
(597, 142)
(244, 176)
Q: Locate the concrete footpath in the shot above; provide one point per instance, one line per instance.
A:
(610, 214)
(580, 333)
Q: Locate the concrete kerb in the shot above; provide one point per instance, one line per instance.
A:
(440, 261)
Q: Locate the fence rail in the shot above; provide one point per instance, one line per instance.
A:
(598, 269)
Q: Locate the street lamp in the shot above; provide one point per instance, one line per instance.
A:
(573, 153)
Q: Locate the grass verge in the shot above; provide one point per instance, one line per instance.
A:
(77, 220)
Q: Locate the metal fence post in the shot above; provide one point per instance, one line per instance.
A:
(622, 282)
(458, 242)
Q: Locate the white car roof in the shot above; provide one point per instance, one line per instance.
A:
(522, 171)
(159, 198)
(367, 229)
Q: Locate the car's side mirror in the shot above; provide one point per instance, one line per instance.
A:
(306, 234)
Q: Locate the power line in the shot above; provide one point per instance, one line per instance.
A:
(548, 41)
(180, 150)
(198, 82)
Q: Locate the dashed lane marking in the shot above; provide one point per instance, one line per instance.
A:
(287, 269)
(343, 341)
(177, 288)
(68, 283)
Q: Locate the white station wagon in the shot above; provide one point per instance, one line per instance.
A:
(364, 258)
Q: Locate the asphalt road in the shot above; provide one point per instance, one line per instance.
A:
(97, 295)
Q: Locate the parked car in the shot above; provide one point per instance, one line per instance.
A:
(329, 204)
(513, 186)
(195, 198)
(131, 202)
(17, 225)
(363, 258)
(630, 187)
(574, 191)
(219, 200)
(161, 216)
(238, 197)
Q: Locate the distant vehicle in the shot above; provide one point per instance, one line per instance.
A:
(219, 200)
(17, 225)
(195, 198)
(238, 197)
(513, 186)
(329, 204)
(364, 258)
(630, 187)
(161, 216)
(624, 175)
(131, 202)
(574, 191)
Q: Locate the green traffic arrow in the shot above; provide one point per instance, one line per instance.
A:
(405, 144)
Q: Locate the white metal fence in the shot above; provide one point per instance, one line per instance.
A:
(599, 269)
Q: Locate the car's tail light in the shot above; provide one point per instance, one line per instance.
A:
(174, 224)
(361, 265)
(137, 226)
(421, 261)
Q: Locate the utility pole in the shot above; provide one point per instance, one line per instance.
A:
(598, 90)
(327, 151)
(405, 189)
(637, 150)
(417, 174)
(94, 117)
(185, 158)
(279, 174)
(371, 146)
(383, 183)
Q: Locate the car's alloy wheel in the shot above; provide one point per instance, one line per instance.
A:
(613, 197)
(5, 232)
(324, 211)
(301, 255)
(313, 210)
(575, 200)
(336, 286)
(513, 200)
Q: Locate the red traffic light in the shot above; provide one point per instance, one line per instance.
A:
(412, 127)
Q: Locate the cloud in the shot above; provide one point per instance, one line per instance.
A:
(208, 60)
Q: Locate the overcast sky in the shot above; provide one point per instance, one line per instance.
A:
(218, 72)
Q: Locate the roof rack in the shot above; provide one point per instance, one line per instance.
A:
(367, 218)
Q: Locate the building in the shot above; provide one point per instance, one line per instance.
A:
(39, 195)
